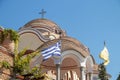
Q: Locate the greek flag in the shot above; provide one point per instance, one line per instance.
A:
(51, 51)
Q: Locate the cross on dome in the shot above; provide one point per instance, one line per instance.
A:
(42, 13)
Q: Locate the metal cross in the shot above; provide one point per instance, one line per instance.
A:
(42, 13)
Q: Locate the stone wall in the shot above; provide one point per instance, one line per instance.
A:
(4, 56)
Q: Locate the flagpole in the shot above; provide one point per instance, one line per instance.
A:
(58, 71)
(57, 59)
(104, 43)
(58, 64)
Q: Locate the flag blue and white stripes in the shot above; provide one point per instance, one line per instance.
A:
(51, 51)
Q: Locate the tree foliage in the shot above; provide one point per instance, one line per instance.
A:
(102, 72)
(118, 78)
(21, 62)
(9, 33)
(4, 64)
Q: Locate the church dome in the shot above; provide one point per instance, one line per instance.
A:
(41, 22)
(42, 25)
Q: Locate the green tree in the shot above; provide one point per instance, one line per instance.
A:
(102, 72)
(118, 78)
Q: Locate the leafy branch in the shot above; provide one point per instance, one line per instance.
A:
(21, 62)
(9, 33)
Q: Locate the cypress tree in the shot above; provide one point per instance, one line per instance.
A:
(118, 77)
(102, 72)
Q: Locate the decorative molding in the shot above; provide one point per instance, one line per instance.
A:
(36, 32)
(74, 55)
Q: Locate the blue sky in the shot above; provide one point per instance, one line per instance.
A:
(89, 21)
